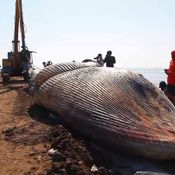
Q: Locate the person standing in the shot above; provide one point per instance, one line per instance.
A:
(171, 77)
(99, 59)
(109, 59)
(44, 64)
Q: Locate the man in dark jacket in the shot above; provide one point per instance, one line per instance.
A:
(109, 59)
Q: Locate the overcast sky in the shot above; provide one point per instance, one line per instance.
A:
(140, 33)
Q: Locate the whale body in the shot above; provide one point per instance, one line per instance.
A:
(115, 107)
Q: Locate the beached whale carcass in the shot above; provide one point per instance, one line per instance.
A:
(119, 108)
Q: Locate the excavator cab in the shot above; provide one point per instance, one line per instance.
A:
(9, 69)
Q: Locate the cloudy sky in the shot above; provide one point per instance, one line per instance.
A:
(140, 33)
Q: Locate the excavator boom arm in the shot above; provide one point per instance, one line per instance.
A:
(22, 25)
(18, 22)
(15, 60)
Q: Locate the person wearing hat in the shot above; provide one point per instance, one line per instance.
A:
(171, 78)
(109, 59)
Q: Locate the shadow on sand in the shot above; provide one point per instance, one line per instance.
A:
(43, 115)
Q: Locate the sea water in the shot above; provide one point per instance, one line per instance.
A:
(153, 75)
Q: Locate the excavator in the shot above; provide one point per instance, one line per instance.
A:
(19, 61)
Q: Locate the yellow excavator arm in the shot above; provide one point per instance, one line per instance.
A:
(16, 60)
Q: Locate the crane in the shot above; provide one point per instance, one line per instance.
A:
(19, 61)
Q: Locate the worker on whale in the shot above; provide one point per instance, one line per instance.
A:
(99, 59)
(109, 59)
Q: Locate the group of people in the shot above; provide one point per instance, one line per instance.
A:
(169, 87)
(47, 64)
(109, 59)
